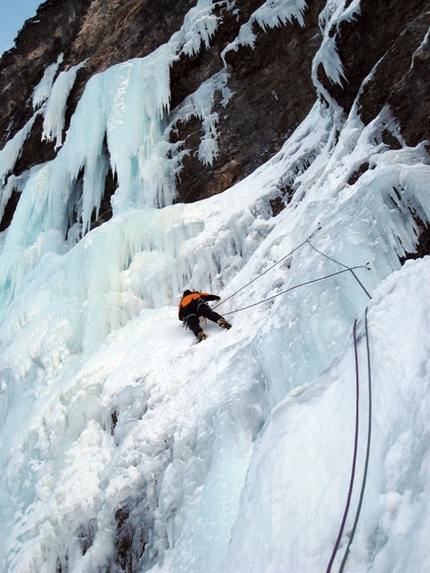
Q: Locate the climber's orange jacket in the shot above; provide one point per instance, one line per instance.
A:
(190, 302)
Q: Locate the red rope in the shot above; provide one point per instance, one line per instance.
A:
(354, 458)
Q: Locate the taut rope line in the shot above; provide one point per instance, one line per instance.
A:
(292, 288)
(354, 457)
(369, 433)
(346, 268)
(357, 384)
(354, 461)
(342, 265)
(269, 269)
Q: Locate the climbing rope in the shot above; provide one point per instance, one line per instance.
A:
(342, 265)
(346, 268)
(366, 464)
(369, 433)
(354, 457)
(293, 288)
(269, 269)
(306, 241)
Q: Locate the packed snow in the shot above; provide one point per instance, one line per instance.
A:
(123, 439)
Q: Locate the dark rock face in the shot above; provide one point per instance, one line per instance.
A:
(264, 110)
(272, 84)
(402, 82)
(103, 33)
(385, 45)
(38, 44)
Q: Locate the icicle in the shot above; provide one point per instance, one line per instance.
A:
(11, 151)
(54, 114)
(271, 14)
(43, 89)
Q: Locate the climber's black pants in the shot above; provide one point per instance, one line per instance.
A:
(202, 309)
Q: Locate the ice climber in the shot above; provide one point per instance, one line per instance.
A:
(193, 306)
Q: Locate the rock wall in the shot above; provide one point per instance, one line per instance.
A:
(272, 83)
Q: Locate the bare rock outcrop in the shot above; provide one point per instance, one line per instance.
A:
(272, 82)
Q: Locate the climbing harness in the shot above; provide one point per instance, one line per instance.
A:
(185, 320)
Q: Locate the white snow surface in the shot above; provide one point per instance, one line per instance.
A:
(234, 455)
